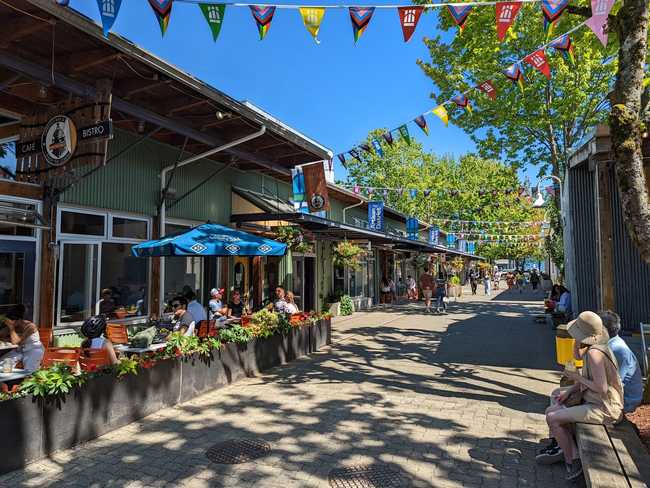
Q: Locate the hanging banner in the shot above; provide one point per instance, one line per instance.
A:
(514, 74)
(409, 18)
(356, 189)
(355, 154)
(434, 234)
(538, 61)
(213, 14)
(163, 11)
(412, 228)
(263, 17)
(298, 184)
(388, 137)
(506, 12)
(342, 159)
(471, 247)
(598, 21)
(488, 88)
(312, 18)
(404, 132)
(451, 238)
(441, 112)
(421, 122)
(316, 187)
(459, 13)
(462, 101)
(413, 193)
(564, 45)
(376, 215)
(552, 10)
(108, 10)
(365, 147)
(377, 146)
(360, 17)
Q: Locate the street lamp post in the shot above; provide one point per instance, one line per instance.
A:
(539, 201)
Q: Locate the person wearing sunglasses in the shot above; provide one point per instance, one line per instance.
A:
(182, 321)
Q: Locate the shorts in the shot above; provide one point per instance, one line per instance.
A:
(585, 413)
(427, 294)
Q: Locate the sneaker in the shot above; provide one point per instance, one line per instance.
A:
(574, 470)
(551, 454)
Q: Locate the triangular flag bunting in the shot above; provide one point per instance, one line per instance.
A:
(506, 12)
(378, 149)
(365, 147)
(552, 9)
(565, 46)
(263, 17)
(459, 13)
(422, 123)
(598, 21)
(514, 74)
(462, 101)
(360, 17)
(312, 18)
(213, 14)
(108, 10)
(404, 132)
(441, 112)
(163, 11)
(488, 88)
(355, 154)
(388, 137)
(538, 61)
(342, 159)
(409, 18)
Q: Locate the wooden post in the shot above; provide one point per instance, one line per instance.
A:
(154, 289)
(48, 266)
(258, 281)
(605, 237)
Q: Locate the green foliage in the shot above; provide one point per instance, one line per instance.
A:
(544, 125)
(55, 381)
(236, 334)
(127, 366)
(347, 254)
(264, 323)
(293, 237)
(284, 326)
(454, 280)
(347, 307)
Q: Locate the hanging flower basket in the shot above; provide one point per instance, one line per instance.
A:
(347, 254)
(293, 237)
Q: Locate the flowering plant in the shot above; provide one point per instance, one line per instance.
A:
(347, 254)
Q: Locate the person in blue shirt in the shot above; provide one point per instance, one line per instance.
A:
(628, 366)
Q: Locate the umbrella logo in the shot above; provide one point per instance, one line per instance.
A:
(223, 237)
(232, 248)
(264, 248)
(198, 248)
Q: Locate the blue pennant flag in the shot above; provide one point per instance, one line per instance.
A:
(376, 215)
(378, 149)
(108, 10)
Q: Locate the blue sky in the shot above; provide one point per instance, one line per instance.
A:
(335, 92)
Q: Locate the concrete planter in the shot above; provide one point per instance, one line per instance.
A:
(32, 429)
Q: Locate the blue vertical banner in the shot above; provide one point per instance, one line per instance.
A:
(434, 234)
(471, 247)
(412, 228)
(298, 185)
(451, 239)
(376, 215)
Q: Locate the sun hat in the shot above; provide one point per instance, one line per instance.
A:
(588, 329)
(215, 291)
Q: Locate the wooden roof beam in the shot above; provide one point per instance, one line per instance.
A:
(21, 27)
(89, 62)
(187, 106)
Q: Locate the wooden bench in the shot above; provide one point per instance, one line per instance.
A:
(613, 457)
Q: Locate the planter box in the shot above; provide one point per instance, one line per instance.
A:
(32, 430)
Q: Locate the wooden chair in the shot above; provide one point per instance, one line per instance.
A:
(46, 337)
(93, 359)
(61, 355)
(117, 334)
(207, 328)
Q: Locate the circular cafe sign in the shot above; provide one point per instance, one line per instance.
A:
(317, 201)
(59, 140)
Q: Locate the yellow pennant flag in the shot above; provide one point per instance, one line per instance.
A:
(312, 18)
(441, 112)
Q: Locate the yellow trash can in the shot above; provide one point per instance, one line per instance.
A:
(564, 346)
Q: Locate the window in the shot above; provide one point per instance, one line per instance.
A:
(79, 294)
(182, 273)
(126, 276)
(82, 223)
(12, 217)
(124, 228)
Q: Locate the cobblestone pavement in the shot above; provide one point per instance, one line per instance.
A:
(447, 401)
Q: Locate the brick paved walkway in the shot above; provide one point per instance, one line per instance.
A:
(449, 401)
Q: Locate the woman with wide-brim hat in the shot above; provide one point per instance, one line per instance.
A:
(597, 395)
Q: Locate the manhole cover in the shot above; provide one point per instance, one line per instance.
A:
(236, 451)
(373, 476)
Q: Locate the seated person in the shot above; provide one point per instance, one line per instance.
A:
(182, 320)
(24, 334)
(194, 307)
(290, 306)
(280, 303)
(94, 330)
(599, 387)
(106, 305)
(236, 306)
(215, 305)
(628, 367)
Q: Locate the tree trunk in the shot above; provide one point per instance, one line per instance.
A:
(626, 124)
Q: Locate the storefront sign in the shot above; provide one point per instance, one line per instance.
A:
(376, 216)
(316, 187)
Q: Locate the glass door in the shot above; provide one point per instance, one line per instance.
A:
(17, 266)
(78, 287)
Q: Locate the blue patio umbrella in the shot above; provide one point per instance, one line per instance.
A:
(210, 240)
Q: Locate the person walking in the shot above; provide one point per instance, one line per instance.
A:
(412, 288)
(487, 283)
(534, 279)
(473, 280)
(427, 285)
(441, 294)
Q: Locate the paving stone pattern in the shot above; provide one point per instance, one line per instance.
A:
(446, 401)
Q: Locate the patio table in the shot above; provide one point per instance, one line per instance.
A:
(7, 347)
(140, 350)
(16, 374)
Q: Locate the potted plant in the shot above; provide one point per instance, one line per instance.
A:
(346, 253)
(347, 306)
(454, 286)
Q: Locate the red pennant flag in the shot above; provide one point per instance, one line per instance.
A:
(409, 18)
(506, 12)
(538, 61)
(488, 88)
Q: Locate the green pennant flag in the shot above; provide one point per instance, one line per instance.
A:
(404, 132)
(213, 13)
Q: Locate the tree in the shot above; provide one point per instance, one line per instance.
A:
(470, 189)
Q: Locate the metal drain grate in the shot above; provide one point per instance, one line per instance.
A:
(237, 451)
(372, 476)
